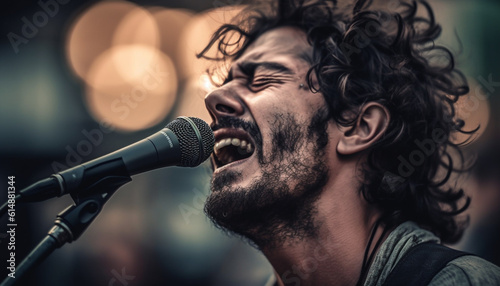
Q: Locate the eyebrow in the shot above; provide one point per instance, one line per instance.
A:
(249, 68)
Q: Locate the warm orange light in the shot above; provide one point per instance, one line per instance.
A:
(92, 33)
(196, 36)
(138, 98)
(171, 23)
(138, 27)
(133, 61)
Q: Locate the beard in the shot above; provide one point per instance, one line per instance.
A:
(279, 206)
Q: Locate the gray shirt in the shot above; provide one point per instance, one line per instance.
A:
(465, 270)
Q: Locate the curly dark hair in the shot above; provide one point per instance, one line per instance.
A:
(387, 55)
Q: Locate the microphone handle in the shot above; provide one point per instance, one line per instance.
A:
(158, 150)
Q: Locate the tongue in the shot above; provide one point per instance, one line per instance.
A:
(231, 154)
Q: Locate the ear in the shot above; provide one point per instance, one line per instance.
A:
(371, 124)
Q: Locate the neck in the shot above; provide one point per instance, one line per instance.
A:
(335, 255)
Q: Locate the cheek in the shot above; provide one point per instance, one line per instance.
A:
(266, 108)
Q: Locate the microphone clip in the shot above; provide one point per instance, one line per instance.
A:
(75, 219)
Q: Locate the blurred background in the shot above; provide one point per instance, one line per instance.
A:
(80, 79)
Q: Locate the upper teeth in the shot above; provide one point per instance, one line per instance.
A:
(244, 146)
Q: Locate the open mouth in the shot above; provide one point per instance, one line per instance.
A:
(231, 147)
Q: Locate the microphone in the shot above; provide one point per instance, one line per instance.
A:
(184, 142)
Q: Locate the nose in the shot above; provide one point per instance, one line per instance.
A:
(222, 102)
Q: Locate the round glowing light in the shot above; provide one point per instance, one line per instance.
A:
(121, 64)
(92, 33)
(138, 27)
(137, 101)
(171, 23)
(132, 61)
(196, 36)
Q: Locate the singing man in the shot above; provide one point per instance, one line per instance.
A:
(334, 143)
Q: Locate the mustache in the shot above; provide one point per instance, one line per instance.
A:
(234, 122)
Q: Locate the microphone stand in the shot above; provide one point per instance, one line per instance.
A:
(71, 222)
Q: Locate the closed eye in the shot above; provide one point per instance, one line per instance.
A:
(257, 74)
(261, 83)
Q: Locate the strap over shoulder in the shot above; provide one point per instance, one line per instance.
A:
(421, 263)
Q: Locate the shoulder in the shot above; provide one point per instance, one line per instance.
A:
(468, 270)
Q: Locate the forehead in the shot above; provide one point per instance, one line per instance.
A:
(284, 43)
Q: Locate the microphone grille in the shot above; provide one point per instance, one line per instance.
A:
(196, 140)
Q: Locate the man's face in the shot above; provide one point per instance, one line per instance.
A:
(271, 137)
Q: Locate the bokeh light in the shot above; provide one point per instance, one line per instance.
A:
(130, 83)
(133, 101)
(196, 36)
(93, 33)
(171, 23)
(137, 27)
